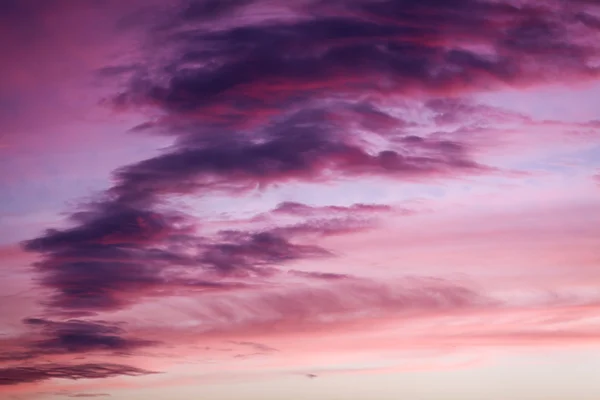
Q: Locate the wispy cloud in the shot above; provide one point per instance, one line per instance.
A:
(16, 375)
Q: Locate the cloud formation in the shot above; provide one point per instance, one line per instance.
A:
(358, 46)
(79, 336)
(113, 258)
(72, 337)
(305, 146)
(113, 255)
(36, 373)
(248, 252)
(215, 80)
(333, 301)
(294, 208)
(318, 92)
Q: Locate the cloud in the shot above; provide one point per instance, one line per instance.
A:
(79, 395)
(72, 337)
(79, 336)
(259, 347)
(125, 248)
(248, 116)
(328, 226)
(42, 372)
(325, 303)
(280, 90)
(294, 208)
(118, 226)
(589, 20)
(319, 275)
(307, 220)
(210, 9)
(304, 146)
(369, 46)
(115, 255)
(301, 220)
(248, 252)
(465, 112)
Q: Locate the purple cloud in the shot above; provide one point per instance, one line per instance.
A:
(79, 336)
(42, 372)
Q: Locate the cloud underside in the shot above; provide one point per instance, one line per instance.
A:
(15, 375)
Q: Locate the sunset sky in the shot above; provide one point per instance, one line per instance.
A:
(300, 199)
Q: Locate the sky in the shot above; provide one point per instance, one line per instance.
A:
(301, 199)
